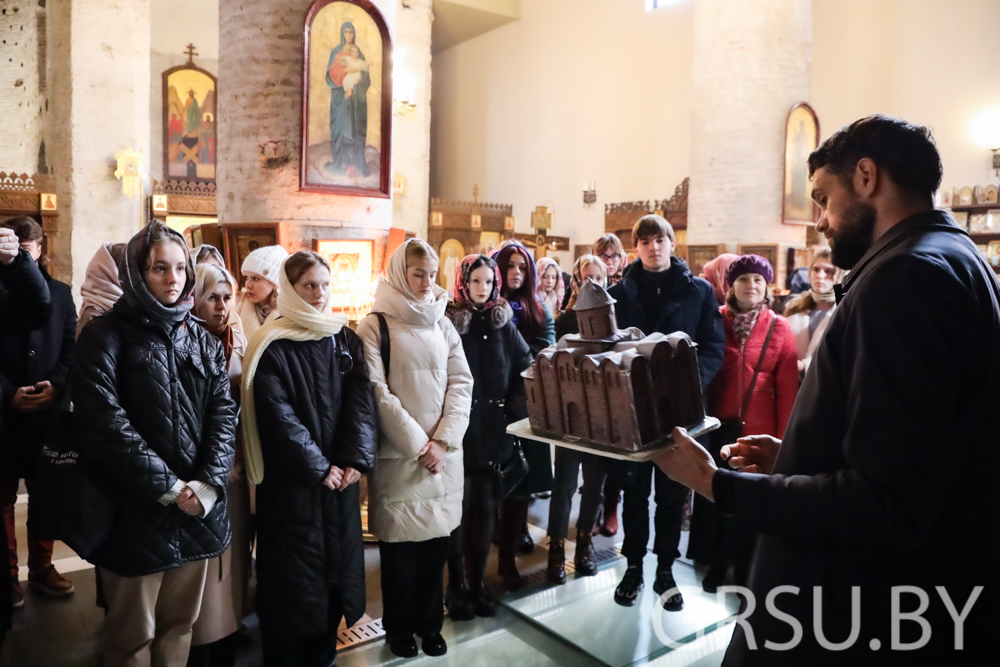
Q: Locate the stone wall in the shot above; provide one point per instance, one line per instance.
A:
(752, 62)
(260, 115)
(21, 103)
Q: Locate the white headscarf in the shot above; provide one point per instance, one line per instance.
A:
(299, 321)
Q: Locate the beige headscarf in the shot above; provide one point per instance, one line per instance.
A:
(299, 322)
(101, 288)
(206, 277)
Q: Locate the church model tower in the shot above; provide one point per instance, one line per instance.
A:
(611, 386)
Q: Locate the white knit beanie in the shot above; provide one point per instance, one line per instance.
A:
(265, 262)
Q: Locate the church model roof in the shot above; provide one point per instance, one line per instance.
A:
(592, 296)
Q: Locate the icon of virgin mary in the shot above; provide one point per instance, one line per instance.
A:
(348, 78)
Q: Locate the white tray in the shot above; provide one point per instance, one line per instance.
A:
(522, 429)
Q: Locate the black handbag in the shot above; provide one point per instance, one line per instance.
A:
(732, 430)
(69, 500)
(513, 472)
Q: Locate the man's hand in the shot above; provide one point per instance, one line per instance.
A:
(189, 502)
(753, 453)
(350, 477)
(334, 478)
(432, 456)
(34, 398)
(688, 463)
(8, 245)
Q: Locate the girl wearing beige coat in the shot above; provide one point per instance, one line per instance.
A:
(416, 490)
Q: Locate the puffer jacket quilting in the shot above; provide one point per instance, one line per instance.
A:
(152, 405)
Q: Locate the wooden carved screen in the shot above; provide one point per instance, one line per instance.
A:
(35, 196)
(621, 217)
(460, 228)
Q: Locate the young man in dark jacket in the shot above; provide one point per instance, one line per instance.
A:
(657, 293)
(878, 521)
(24, 305)
(34, 369)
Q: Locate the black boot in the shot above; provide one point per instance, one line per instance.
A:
(583, 559)
(556, 572)
(663, 583)
(714, 578)
(525, 544)
(631, 585)
(482, 598)
(456, 596)
(512, 516)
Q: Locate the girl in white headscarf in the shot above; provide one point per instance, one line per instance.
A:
(423, 390)
(309, 423)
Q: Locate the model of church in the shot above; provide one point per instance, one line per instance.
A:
(610, 386)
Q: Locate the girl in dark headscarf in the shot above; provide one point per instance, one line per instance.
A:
(517, 269)
(497, 354)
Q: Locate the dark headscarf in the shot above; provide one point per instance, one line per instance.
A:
(529, 313)
(135, 291)
(462, 276)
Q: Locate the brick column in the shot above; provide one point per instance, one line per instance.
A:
(20, 100)
(260, 116)
(752, 62)
(98, 105)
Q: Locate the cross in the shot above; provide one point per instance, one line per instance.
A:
(190, 54)
(475, 194)
(541, 222)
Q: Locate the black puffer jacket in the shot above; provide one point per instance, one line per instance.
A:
(497, 355)
(315, 409)
(151, 406)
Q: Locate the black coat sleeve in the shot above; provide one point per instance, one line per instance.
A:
(912, 361)
(286, 443)
(516, 402)
(357, 425)
(25, 303)
(710, 337)
(60, 374)
(218, 436)
(103, 429)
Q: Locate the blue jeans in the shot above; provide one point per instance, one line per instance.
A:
(567, 464)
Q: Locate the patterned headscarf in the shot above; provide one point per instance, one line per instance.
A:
(462, 276)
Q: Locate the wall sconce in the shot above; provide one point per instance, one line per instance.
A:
(404, 88)
(996, 159)
(129, 171)
(589, 193)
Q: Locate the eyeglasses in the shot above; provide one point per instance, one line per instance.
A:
(612, 257)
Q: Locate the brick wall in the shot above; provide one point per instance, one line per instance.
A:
(752, 62)
(20, 101)
(260, 115)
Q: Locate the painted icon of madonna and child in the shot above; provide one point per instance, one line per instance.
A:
(345, 146)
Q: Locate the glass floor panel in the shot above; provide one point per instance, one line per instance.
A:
(584, 613)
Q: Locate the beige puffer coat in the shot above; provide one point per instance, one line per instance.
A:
(428, 397)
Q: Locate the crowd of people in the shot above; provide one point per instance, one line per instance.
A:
(183, 387)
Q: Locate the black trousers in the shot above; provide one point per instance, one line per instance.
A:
(217, 654)
(412, 578)
(479, 513)
(670, 497)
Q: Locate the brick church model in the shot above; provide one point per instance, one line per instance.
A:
(613, 387)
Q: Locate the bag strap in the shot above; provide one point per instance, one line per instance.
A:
(756, 370)
(384, 347)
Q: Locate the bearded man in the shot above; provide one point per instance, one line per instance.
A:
(878, 515)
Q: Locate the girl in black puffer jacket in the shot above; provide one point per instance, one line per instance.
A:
(154, 416)
(497, 355)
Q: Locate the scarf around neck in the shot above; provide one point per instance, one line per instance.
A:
(744, 322)
(135, 291)
(298, 322)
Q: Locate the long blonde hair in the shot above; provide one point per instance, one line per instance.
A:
(576, 281)
(805, 303)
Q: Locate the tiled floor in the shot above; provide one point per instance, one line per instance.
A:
(576, 624)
